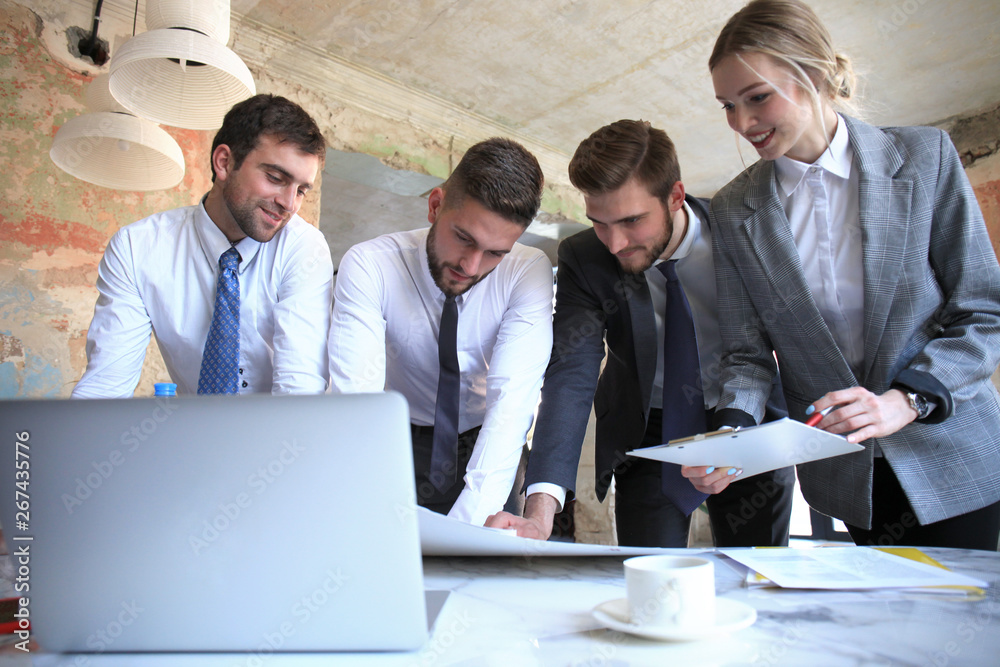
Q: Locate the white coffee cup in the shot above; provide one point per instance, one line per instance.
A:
(672, 592)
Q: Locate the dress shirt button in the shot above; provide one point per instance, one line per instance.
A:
(244, 384)
(241, 371)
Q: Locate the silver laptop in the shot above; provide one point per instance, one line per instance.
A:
(258, 523)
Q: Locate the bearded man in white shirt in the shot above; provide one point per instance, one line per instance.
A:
(161, 274)
(389, 300)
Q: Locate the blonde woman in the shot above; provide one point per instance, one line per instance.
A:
(859, 256)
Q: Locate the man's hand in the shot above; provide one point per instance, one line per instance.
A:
(710, 480)
(539, 513)
(863, 415)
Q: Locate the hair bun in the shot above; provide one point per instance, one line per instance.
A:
(844, 80)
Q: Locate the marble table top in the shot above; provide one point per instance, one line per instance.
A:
(537, 612)
(514, 612)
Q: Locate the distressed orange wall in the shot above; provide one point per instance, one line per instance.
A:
(985, 178)
(984, 174)
(53, 227)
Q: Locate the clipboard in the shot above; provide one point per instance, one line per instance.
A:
(755, 449)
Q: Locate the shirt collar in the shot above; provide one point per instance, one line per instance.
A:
(691, 234)
(214, 242)
(836, 160)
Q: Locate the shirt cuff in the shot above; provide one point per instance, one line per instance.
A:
(554, 490)
(928, 386)
(466, 506)
(732, 417)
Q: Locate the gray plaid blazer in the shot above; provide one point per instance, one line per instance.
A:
(932, 321)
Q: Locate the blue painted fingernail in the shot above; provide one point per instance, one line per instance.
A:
(709, 471)
(732, 471)
(810, 410)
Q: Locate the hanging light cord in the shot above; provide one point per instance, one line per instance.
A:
(93, 31)
(136, 17)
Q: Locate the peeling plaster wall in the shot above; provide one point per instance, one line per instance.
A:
(53, 227)
(977, 139)
(985, 177)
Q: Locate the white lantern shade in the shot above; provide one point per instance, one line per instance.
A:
(210, 17)
(99, 96)
(180, 78)
(118, 150)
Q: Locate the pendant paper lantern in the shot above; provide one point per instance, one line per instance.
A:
(180, 71)
(115, 149)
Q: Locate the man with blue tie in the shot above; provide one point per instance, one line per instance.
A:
(639, 289)
(237, 288)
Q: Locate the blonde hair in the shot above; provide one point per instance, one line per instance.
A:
(790, 32)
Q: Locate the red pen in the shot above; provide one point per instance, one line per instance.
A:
(817, 417)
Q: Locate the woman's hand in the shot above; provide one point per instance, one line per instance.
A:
(861, 414)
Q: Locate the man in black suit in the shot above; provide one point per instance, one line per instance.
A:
(612, 292)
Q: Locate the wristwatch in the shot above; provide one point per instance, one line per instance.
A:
(919, 404)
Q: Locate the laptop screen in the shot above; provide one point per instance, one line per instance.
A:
(255, 523)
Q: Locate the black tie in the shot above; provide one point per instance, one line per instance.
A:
(683, 403)
(444, 455)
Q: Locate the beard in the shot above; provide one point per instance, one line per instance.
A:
(247, 215)
(437, 267)
(649, 253)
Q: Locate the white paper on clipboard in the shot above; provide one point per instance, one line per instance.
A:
(756, 449)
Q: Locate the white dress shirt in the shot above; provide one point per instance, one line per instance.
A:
(384, 335)
(696, 272)
(821, 204)
(159, 274)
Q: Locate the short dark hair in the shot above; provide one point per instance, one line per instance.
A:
(272, 115)
(501, 175)
(616, 153)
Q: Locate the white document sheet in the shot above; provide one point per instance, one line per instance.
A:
(757, 449)
(441, 536)
(845, 568)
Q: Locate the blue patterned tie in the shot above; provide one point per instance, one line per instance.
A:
(444, 452)
(683, 405)
(220, 361)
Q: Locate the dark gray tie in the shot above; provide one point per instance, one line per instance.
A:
(444, 455)
(683, 403)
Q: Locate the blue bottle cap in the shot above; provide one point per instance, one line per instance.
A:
(165, 389)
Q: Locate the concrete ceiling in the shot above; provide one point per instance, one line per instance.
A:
(551, 71)
(372, 199)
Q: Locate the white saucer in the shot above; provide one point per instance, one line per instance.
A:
(730, 616)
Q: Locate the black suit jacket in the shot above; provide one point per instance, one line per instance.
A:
(596, 302)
